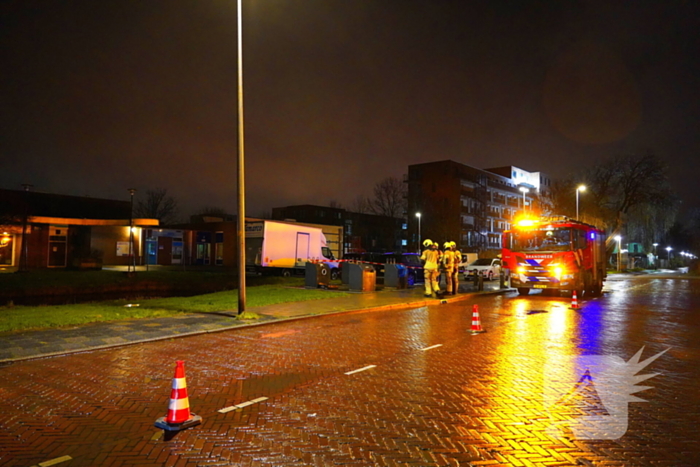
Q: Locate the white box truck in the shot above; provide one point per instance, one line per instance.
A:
(284, 248)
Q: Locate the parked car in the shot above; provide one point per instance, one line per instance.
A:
(490, 268)
(378, 260)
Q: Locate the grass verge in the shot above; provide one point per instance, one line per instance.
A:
(15, 318)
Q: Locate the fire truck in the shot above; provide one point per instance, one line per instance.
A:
(554, 254)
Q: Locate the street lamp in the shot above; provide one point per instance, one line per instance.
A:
(418, 216)
(668, 255)
(241, 178)
(131, 233)
(579, 189)
(618, 239)
(524, 190)
(656, 258)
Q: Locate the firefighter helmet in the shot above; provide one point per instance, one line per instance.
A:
(453, 244)
(427, 242)
(448, 245)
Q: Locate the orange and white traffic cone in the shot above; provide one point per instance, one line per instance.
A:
(574, 301)
(476, 322)
(179, 416)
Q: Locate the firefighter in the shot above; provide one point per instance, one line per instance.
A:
(455, 271)
(448, 265)
(430, 258)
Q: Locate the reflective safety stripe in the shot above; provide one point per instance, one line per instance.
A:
(179, 383)
(179, 404)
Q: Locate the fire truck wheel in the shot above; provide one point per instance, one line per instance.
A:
(335, 274)
(286, 273)
(523, 291)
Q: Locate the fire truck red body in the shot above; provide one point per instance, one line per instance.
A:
(555, 254)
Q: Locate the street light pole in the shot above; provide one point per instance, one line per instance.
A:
(131, 233)
(668, 255)
(579, 189)
(619, 251)
(241, 174)
(418, 215)
(656, 258)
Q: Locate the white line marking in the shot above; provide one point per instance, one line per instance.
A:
(242, 404)
(55, 461)
(368, 367)
(432, 347)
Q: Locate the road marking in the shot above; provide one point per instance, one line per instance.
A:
(368, 367)
(279, 334)
(55, 461)
(242, 404)
(432, 347)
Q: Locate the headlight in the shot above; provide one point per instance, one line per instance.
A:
(520, 270)
(557, 271)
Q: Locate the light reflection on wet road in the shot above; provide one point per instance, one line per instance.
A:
(474, 398)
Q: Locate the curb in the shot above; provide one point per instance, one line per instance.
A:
(395, 306)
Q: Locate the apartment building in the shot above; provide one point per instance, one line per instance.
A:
(467, 205)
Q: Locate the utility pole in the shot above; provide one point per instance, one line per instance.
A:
(23, 267)
(132, 257)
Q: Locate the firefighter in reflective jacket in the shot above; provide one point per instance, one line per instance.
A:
(431, 259)
(455, 271)
(448, 265)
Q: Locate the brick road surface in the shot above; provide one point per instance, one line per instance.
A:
(471, 400)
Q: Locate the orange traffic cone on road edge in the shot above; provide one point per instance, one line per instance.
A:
(574, 301)
(476, 322)
(179, 416)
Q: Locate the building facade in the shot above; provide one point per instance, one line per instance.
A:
(46, 230)
(467, 205)
(361, 232)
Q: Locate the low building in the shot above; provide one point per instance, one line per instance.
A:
(45, 230)
(361, 232)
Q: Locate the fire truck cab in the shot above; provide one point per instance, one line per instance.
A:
(555, 254)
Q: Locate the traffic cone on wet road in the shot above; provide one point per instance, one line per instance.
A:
(179, 416)
(476, 322)
(574, 301)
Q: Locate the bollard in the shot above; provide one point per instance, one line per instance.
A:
(503, 278)
(481, 282)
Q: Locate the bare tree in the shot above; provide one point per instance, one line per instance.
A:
(335, 204)
(158, 205)
(389, 198)
(629, 193)
(361, 204)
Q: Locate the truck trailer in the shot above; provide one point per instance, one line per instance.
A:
(284, 248)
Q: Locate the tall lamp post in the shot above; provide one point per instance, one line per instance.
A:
(241, 174)
(23, 266)
(656, 258)
(668, 255)
(131, 233)
(524, 190)
(618, 239)
(418, 216)
(578, 190)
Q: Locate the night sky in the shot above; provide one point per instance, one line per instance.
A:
(99, 96)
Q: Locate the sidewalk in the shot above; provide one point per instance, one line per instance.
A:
(17, 346)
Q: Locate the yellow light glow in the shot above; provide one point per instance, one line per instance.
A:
(557, 271)
(526, 222)
(520, 270)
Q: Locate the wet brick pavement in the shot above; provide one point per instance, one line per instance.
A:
(436, 394)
